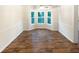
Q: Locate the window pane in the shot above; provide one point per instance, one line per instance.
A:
(32, 20)
(49, 14)
(32, 14)
(49, 20)
(40, 14)
(40, 20)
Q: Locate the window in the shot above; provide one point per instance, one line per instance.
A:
(32, 17)
(40, 20)
(40, 14)
(32, 20)
(49, 17)
(49, 21)
(49, 14)
(40, 17)
(32, 14)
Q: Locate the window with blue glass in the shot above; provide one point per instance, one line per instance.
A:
(49, 14)
(32, 20)
(40, 20)
(40, 14)
(40, 17)
(49, 17)
(32, 17)
(32, 14)
(49, 20)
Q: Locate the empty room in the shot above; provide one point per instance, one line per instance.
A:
(39, 28)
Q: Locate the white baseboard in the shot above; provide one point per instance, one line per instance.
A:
(10, 35)
(67, 37)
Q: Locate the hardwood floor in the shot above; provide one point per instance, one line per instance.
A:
(41, 41)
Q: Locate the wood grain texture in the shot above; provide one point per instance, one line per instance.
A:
(41, 41)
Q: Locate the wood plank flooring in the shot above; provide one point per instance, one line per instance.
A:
(41, 41)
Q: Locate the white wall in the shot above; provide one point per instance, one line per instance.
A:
(26, 18)
(76, 22)
(78, 17)
(55, 18)
(27, 25)
(10, 24)
(66, 21)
